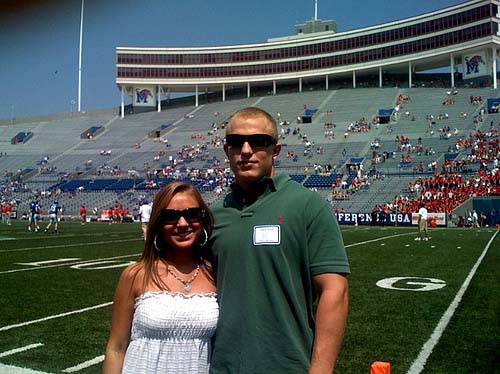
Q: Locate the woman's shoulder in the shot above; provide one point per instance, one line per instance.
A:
(133, 277)
(133, 271)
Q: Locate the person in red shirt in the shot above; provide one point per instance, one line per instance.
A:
(118, 212)
(8, 213)
(83, 214)
(4, 212)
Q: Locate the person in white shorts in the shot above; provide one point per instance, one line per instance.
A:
(145, 214)
(423, 231)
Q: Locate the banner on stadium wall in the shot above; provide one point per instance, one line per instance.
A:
(439, 218)
(474, 65)
(144, 96)
(391, 219)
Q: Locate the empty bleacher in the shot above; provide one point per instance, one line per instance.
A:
(131, 146)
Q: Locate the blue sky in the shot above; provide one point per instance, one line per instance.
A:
(39, 39)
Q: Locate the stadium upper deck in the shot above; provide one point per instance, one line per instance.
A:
(463, 37)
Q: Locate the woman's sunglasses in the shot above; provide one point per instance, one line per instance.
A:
(191, 215)
(255, 140)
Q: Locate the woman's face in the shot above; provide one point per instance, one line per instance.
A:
(181, 227)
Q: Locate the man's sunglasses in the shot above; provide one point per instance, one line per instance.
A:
(191, 215)
(255, 140)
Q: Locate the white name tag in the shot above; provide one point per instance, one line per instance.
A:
(267, 235)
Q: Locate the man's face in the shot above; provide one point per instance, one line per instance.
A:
(250, 163)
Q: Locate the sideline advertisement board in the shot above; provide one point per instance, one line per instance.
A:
(391, 219)
(438, 218)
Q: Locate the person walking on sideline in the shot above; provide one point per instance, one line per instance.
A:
(423, 231)
(145, 214)
(8, 213)
(35, 209)
(4, 212)
(278, 249)
(55, 211)
(83, 214)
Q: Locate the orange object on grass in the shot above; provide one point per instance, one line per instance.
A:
(379, 367)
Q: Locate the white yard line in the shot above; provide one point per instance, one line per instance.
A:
(84, 365)
(67, 264)
(9, 369)
(379, 239)
(10, 327)
(39, 263)
(70, 245)
(419, 363)
(21, 349)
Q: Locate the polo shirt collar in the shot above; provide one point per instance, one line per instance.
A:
(271, 184)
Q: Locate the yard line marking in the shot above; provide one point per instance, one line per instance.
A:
(34, 236)
(379, 239)
(67, 264)
(10, 327)
(419, 363)
(9, 369)
(84, 365)
(70, 245)
(21, 349)
(38, 263)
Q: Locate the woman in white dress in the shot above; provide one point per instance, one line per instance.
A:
(165, 307)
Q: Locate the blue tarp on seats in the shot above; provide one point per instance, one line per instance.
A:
(356, 160)
(384, 115)
(310, 112)
(385, 112)
(21, 137)
(493, 105)
(450, 156)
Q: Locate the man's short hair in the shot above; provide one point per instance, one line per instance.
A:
(252, 111)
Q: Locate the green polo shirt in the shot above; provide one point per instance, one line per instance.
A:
(266, 255)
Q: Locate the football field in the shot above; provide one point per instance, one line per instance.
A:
(424, 306)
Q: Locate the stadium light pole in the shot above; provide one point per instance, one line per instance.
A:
(80, 61)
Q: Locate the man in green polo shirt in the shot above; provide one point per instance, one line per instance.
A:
(278, 249)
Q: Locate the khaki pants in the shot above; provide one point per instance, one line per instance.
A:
(422, 226)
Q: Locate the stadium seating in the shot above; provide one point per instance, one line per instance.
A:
(126, 160)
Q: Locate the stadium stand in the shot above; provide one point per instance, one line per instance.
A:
(346, 153)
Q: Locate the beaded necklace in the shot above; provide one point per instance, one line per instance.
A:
(186, 283)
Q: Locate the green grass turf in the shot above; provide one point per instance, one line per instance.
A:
(383, 325)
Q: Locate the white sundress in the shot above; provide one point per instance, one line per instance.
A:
(171, 333)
